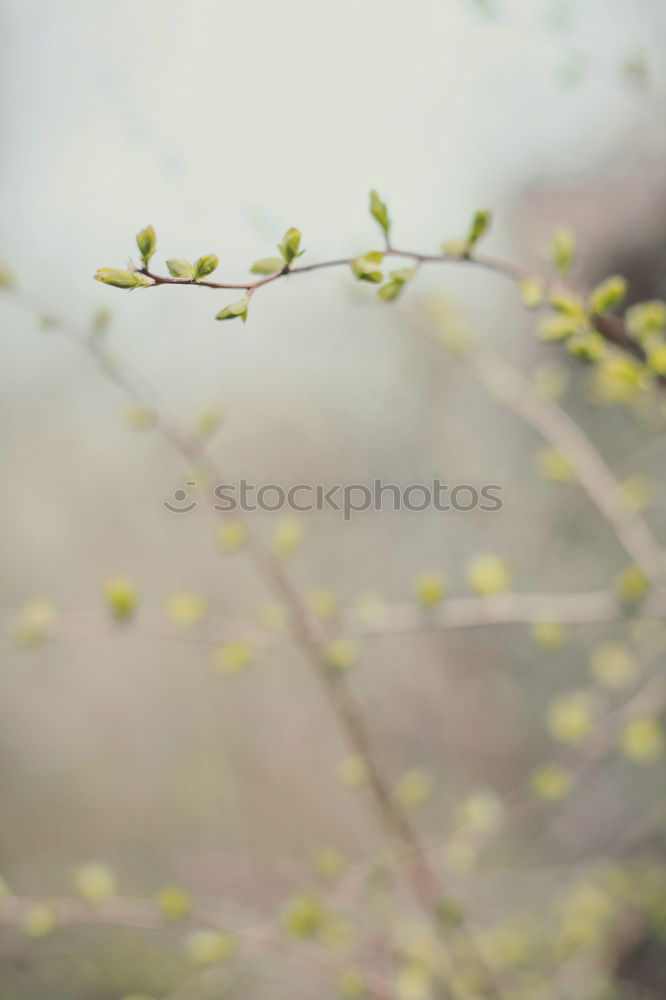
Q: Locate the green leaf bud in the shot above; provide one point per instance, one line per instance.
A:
(479, 227)
(122, 279)
(379, 212)
(267, 265)
(180, 268)
(205, 266)
(392, 289)
(365, 267)
(235, 309)
(291, 241)
(146, 242)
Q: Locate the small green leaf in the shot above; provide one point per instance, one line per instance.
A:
(122, 279)
(365, 267)
(379, 212)
(146, 242)
(179, 268)
(205, 265)
(267, 265)
(235, 309)
(392, 289)
(291, 241)
(608, 294)
(479, 227)
(563, 249)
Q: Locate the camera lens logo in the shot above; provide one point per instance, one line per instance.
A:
(180, 496)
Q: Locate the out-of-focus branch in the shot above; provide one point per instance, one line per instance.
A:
(387, 620)
(554, 424)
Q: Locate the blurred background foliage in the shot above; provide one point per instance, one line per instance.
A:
(152, 738)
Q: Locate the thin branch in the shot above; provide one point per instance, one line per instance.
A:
(610, 326)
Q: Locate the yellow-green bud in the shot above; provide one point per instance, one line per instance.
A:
(121, 597)
(647, 318)
(206, 947)
(232, 536)
(6, 277)
(656, 359)
(235, 310)
(558, 327)
(608, 294)
(365, 267)
(38, 921)
(563, 249)
(122, 279)
(479, 227)
(379, 212)
(548, 635)
(631, 586)
(234, 656)
(431, 589)
(205, 265)
(642, 740)
(304, 916)
(288, 535)
(180, 268)
(95, 882)
(532, 292)
(553, 784)
(351, 985)
(392, 289)
(488, 575)
(267, 265)
(341, 654)
(414, 788)
(173, 902)
(186, 609)
(146, 242)
(291, 241)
